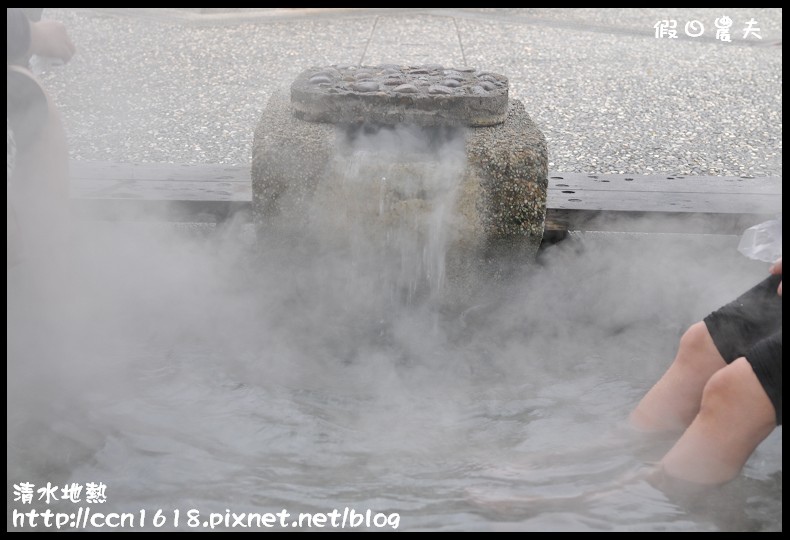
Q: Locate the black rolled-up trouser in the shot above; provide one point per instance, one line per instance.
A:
(751, 326)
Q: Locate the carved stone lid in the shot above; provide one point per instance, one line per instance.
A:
(391, 94)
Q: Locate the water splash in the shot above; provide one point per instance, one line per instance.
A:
(389, 199)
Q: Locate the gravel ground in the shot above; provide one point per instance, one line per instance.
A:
(188, 86)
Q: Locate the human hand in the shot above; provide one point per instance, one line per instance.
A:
(50, 38)
(776, 269)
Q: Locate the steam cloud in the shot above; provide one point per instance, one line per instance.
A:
(208, 369)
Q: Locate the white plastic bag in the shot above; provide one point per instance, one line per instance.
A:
(763, 242)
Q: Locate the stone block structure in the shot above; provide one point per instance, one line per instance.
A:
(306, 141)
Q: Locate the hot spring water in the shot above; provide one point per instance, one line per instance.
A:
(188, 371)
(388, 203)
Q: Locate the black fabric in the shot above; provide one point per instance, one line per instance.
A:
(26, 108)
(17, 36)
(765, 356)
(751, 326)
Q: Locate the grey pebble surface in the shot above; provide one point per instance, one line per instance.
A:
(189, 86)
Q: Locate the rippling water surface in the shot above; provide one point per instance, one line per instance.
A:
(188, 373)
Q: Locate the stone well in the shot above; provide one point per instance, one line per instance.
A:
(305, 141)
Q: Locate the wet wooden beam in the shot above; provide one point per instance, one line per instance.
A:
(627, 203)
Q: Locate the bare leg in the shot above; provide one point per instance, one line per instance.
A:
(675, 399)
(736, 415)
